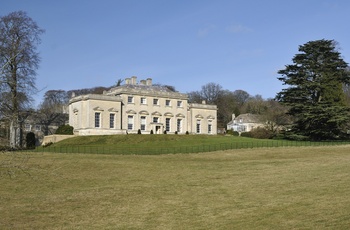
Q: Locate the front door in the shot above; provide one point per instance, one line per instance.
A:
(158, 129)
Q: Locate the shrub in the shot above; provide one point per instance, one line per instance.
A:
(246, 134)
(164, 132)
(65, 130)
(151, 132)
(175, 132)
(261, 133)
(30, 140)
(235, 133)
(139, 131)
(187, 133)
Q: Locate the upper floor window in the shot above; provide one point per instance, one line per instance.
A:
(130, 99)
(97, 120)
(143, 101)
(167, 103)
(155, 101)
(155, 119)
(179, 103)
(27, 127)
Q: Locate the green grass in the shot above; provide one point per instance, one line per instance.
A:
(266, 188)
(164, 144)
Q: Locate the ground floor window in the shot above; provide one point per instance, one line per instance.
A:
(198, 126)
(209, 128)
(97, 120)
(112, 120)
(167, 124)
(179, 125)
(130, 122)
(143, 123)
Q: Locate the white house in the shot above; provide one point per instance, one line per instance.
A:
(245, 122)
(140, 107)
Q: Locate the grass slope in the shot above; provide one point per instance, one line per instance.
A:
(267, 188)
(160, 144)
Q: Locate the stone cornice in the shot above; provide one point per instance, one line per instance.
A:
(99, 97)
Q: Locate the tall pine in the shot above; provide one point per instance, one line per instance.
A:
(315, 93)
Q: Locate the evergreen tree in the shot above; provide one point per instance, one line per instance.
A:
(315, 94)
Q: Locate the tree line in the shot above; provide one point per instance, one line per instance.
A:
(315, 102)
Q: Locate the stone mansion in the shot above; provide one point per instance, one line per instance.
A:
(140, 107)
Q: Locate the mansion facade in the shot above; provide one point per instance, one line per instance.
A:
(140, 107)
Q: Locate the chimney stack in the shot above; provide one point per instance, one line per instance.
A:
(133, 80)
(149, 81)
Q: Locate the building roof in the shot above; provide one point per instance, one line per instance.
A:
(145, 88)
(247, 118)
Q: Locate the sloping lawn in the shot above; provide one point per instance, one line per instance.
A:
(266, 188)
(165, 144)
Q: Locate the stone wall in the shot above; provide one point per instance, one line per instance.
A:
(55, 138)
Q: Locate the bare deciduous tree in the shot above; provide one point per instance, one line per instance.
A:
(19, 59)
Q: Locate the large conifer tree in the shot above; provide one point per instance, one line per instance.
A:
(315, 94)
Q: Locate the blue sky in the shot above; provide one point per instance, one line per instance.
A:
(239, 44)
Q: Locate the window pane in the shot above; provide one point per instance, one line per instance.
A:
(130, 122)
(179, 125)
(167, 102)
(143, 100)
(143, 123)
(155, 101)
(97, 120)
(111, 120)
(198, 126)
(167, 124)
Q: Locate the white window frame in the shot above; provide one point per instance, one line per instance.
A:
(167, 124)
(198, 126)
(97, 120)
(112, 120)
(130, 122)
(179, 125)
(155, 101)
(155, 119)
(143, 123)
(210, 127)
(130, 99)
(143, 101)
